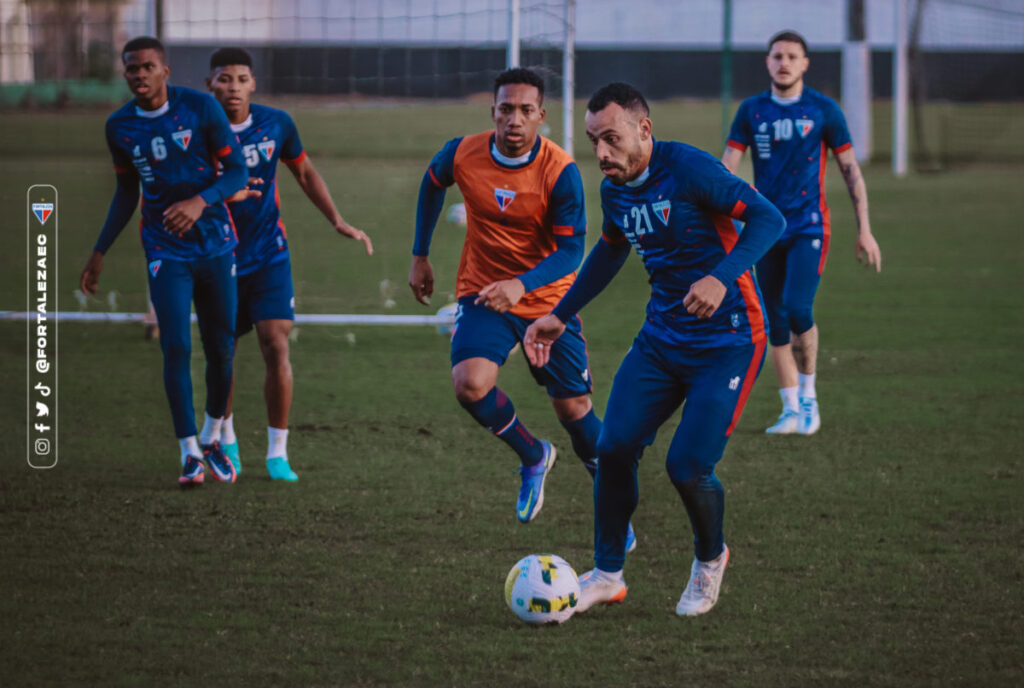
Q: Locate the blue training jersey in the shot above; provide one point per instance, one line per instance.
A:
(678, 217)
(789, 145)
(266, 136)
(175, 150)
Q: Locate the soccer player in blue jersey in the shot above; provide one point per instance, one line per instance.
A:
(703, 340)
(790, 129)
(266, 299)
(170, 140)
(526, 221)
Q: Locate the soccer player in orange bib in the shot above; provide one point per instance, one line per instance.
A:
(526, 221)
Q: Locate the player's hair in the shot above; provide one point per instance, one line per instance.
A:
(623, 95)
(520, 75)
(790, 37)
(230, 56)
(144, 43)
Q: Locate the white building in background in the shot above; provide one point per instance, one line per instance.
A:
(15, 43)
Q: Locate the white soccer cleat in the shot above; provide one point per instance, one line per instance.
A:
(598, 587)
(705, 581)
(810, 419)
(787, 424)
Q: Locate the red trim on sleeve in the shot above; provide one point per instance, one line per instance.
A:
(434, 179)
(563, 230)
(844, 147)
(296, 160)
(738, 210)
(613, 240)
(122, 170)
(224, 152)
(736, 144)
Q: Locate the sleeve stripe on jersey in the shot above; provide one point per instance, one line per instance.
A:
(296, 160)
(563, 230)
(122, 170)
(433, 178)
(613, 240)
(738, 210)
(224, 152)
(844, 147)
(736, 144)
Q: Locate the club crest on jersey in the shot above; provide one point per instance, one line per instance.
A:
(266, 149)
(661, 210)
(182, 138)
(42, 211)
(804, 126)
(504, 198)
(154, 267)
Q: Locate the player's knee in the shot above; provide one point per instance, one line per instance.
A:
(617, 447)
(275, 348)
(176, 348)
(469, 389)
(572, 408)
(801, 319)
(687, 470)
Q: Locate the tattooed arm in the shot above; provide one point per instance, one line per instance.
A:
(868, 251)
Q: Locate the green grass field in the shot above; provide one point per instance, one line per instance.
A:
(884, 551)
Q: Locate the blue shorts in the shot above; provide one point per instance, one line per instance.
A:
(789, 274)
(483, 333)
(655, 378)
(265, 294)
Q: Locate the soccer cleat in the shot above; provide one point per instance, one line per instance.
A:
(630, 539)
(701, 592)
(597, 587)
(231, 451)
(191, 472)
(787, 424)
(810, 420)
(279, 469)
(531, 493)
(220, 466)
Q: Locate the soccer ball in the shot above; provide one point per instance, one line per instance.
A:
(447, 312)
(457, 214)
(542, 588)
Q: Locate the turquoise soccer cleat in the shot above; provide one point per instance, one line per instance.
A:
(231, 451)
(279, 469)
(531, 493)
(810, 419)
(787, 424)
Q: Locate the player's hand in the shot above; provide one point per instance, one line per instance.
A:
(502, 295)
(704, 297)
(246, 193)
(540, 337)
(868, 252)
(345, 229)
(421, 279)
(91, 274)
(180, 217)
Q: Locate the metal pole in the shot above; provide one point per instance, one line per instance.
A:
(726, 65)
(856, 79)
(512, 53)
(899, 91)
(568, 75)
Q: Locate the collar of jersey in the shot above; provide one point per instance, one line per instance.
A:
(785, 101)
(513, 163)
(242, 126)
(150, 114)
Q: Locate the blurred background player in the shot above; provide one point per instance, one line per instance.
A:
(266, 298)
(790, 127)
(703, 340)
(168, 138)
(526, 221)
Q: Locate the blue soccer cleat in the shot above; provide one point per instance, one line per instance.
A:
(787, 424)
(279, 469)
(531, 493)
(191, 473)
(231, 451)
(220, 466)
(810, 419)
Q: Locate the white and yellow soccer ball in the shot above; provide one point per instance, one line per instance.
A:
(541, 589)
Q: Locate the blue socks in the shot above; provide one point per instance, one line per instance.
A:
(496, 413)
(583, 433)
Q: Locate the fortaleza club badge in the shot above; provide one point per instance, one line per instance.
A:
(42, 211)
(154, 267)
(182, 138)
(266, 148)
(804, 126)
(661, 210)
(504, 198)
